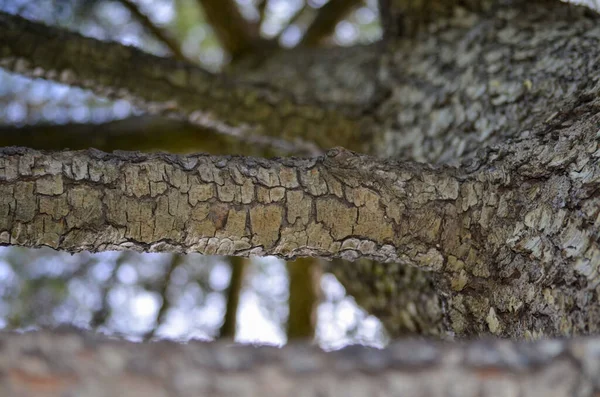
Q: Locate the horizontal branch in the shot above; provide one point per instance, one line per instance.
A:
(338, 205)
(512, 242)
(145, 133)
(167, 86)
(73, 363)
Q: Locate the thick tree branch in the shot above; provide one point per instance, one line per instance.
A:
(485, 231)
(69, 363)
(222, 205)
(160, 85)
(327, 18)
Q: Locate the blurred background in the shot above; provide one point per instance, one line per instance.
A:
(150, 296)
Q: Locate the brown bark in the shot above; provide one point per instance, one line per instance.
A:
(234, 291)
(144, 133)
(304, 299)
(237, 35)
(63, 363)
(326, 20)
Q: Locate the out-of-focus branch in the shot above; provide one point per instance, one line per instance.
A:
(144, 133)
(100, 315)
(262, 9)
(326, 20)
(94, 365)
(163, 86)
(305, 292)
(160, 34)
(299, 13)
(237, 35)
(233, 297)
(176, 260)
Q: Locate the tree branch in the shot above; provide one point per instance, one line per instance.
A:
(234, 292)
(160, 34)
(237, 35)
(482, 368)
(174, 262)
(144, 133)
(262, 8)
(484, 231)
(326, 20)
(160, 85)
(213, 198)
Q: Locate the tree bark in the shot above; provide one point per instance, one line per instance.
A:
(69, 363)
(475, 80)
(304, 298)
(511, 242)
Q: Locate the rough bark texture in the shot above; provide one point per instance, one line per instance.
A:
(342, 204)
(477, 80)
(67, 363)
(509, 256)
